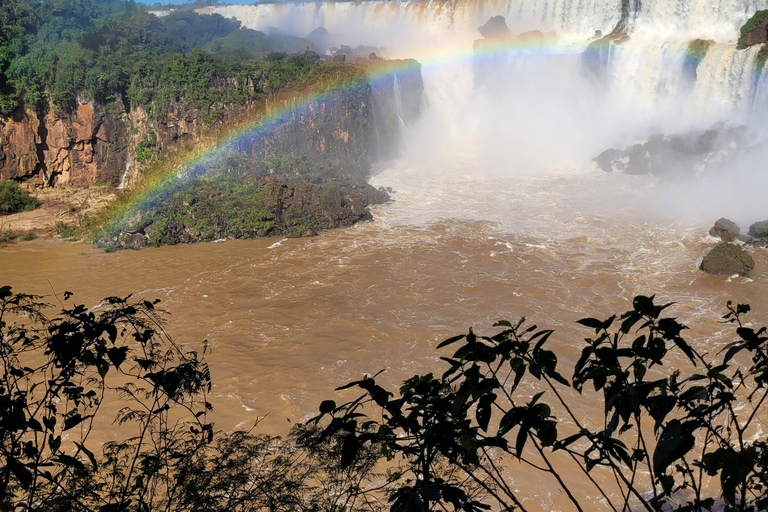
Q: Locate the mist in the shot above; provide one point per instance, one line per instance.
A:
(542, 116)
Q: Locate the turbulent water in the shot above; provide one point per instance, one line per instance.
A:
(498, 209)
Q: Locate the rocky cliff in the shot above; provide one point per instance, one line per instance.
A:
(108, 144)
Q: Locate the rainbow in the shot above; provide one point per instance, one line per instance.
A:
(152, 193)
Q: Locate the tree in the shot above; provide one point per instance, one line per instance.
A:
(57, 372)
(660, 438)
(54, 377)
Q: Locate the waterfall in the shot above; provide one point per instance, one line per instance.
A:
(646, 83)
(124, 178)
(398, 101)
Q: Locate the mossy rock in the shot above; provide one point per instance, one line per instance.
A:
(755, 30)
(759, 229)
(727, 259)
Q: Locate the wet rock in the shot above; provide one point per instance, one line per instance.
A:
(609, 159)
(755, 30)
(339, 57)
(725, 229)
(759, 229)
(677, 155)
(495, 28)
(727, 259)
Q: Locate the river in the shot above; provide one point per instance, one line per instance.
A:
(290, 320)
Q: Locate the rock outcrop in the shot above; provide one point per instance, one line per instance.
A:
(684, 154)
(725, 229)
(755, 30)
(92, 145)
(109, 145)
(269, 207)
(727, 259)
(759, 229)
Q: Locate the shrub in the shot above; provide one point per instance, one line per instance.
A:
(7, 235)
(66, 230)
(14, 199)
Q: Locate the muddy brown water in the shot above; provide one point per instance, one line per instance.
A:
(290, 320)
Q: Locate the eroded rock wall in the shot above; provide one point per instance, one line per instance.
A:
(107, 145)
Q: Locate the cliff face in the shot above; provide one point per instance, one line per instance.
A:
(83, 148)
(106, 145)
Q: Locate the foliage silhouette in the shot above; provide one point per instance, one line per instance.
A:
(660, 440)
(57, 372)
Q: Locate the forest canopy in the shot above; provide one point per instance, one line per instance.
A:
(61, 51)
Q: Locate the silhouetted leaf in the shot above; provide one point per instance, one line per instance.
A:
(326, 406)
(451, 340)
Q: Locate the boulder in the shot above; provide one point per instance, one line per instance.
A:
(339, 57)
(759, 229)
(725, 229)
(727, 259)
(495, 28)
(608, 159)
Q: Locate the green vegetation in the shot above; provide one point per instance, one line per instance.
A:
(115, 51)
(145, 148)
(238, 197)
(67, 231)
(7, 236)
(762, 57)
(14, 199)
(29, 236)
(751, 24)
(451, 442)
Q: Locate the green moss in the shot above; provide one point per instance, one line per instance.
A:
(697, 49)
(750, 25)
(727, 259)
(762, 57)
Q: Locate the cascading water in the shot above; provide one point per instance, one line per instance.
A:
(546, 109)
(398, 101)
(124, 178)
